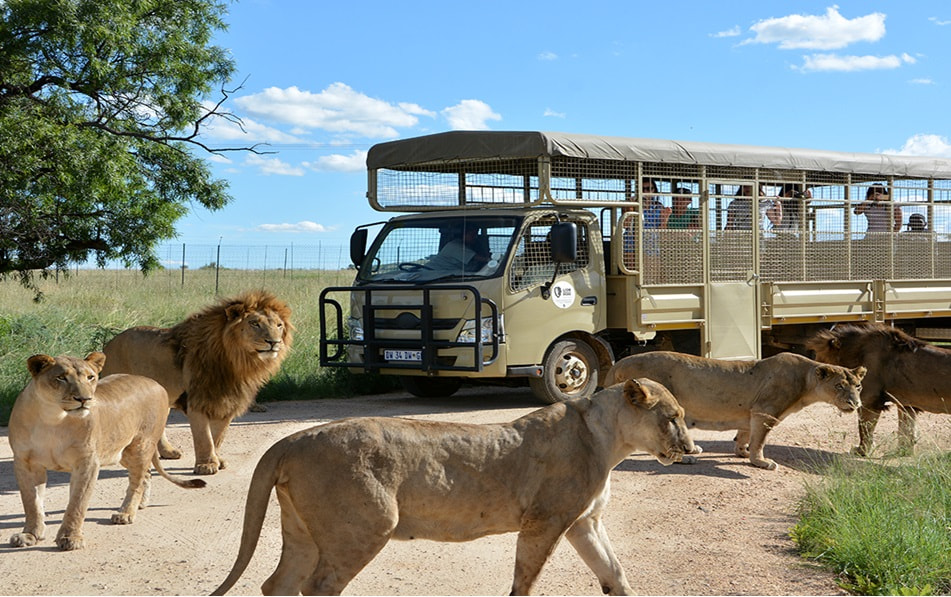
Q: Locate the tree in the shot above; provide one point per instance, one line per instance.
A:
(102, 105)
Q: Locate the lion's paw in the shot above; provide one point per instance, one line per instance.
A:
(859, 451)
(70, 543)
(765, 463)
(122, 518)
(206, 468)
(24, 540)
(170, 453)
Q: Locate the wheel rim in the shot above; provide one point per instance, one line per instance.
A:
(572, 373)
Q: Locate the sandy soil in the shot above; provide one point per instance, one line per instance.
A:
(715, 528)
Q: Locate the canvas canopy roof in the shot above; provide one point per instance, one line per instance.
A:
(481, 145)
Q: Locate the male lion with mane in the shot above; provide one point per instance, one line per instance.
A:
(67, 419)
(749, 396)
(904, 370)
(212, 365)
(347, 487)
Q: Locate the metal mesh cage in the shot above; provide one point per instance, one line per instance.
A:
(695, 223)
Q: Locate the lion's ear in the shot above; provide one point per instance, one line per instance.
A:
(824, 372)
(860, 372)
(637, 394)
(38, 362)
(96, 359)
(234, 311)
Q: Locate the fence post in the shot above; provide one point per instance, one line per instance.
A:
(183, 265)
(217, 266)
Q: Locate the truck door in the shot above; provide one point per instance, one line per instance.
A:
(733, 323)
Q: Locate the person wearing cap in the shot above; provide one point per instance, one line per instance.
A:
(917, 223)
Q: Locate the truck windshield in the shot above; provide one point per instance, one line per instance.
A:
(423, 250)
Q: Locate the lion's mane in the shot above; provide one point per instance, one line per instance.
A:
(225, 376)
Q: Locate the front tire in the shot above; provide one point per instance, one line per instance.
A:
(430, 387)
(570, 371)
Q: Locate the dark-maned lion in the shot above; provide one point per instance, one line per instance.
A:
(212, 365)
(67, 419)
(902, 369)
(749, 396)
(348, 487)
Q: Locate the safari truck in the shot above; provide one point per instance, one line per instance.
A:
(547, 256)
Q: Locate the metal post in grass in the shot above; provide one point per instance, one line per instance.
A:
(183, 265)
(285, 262)
(217, 265)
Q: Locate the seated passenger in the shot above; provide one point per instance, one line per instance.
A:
(460, 253)
(739, 214)
(682, 216)
(917, 223)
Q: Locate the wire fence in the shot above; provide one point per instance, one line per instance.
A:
(253, 257)
(224, 266)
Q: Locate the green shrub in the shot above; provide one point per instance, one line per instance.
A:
(885, 527)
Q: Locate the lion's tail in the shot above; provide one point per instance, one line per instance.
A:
(259, 494)
(187, 483)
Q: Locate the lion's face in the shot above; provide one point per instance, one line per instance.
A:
(842, 387)
(261, 331)
(67, 383)
(661, 427)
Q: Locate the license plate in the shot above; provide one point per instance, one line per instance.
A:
(403, 355)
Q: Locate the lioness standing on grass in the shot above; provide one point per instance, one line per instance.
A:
(749, 396)
(67, 419)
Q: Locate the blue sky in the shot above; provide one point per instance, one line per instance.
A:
(324, 81)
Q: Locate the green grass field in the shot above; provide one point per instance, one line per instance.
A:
(883, 526)
(80, 312)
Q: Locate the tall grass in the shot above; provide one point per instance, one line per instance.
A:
(884, 527)
(79, 313)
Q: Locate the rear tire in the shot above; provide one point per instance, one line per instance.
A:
(570, 371)
(430, 387)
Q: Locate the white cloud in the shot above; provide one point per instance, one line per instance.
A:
(470, 115)
(337, 109)
(922, 82)
(268, 165)
(548, 56)
(827, 32)
(299, 227)
(355, 162)
(837, 63)
(733, 32)
(553, 114)
(934, 146)
(248, 132)
(938, 21)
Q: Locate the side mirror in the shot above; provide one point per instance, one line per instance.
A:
(358, 246)
(564, 242)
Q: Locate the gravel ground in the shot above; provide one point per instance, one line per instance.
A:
(718, 527)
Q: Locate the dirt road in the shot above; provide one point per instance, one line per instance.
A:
(715, 528)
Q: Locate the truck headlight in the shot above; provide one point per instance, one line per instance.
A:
(467, 334)
(355, 329)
